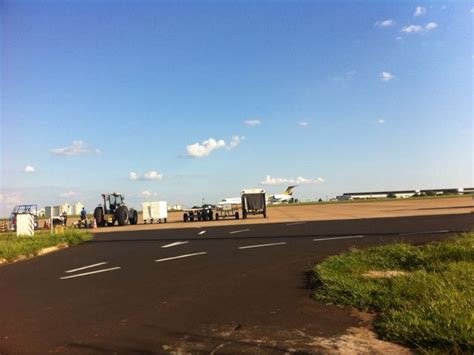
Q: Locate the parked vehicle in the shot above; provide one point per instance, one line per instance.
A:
(227, 210)
(114, 210)
(253, 202)
(203, 213)
(155, 212)
(22, 209)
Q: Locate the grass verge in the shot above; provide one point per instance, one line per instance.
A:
(12, 246)
(428, 305)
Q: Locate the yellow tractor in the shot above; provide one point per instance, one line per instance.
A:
(114, 210)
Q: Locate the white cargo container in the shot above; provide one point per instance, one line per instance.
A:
(25, 224)
(155, 212)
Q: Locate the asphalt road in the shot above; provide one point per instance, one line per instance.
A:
(224, 289)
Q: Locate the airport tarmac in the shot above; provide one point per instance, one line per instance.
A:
(222, 289)
(322, 212)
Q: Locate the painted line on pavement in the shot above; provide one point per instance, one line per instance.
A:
(174, 244)
(261, 245)
(201, 232)
(90, 273)
(348, 237)
(429, 232)
(295, 223)
(180, 257)
(239, 231)
(85, 267)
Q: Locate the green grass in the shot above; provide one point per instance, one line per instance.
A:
(12, 246)
(430, 308)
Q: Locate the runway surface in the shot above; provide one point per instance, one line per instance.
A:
(225, 289)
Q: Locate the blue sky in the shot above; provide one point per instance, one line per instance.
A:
(338, 96)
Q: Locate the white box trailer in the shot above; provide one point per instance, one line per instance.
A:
(155, 212)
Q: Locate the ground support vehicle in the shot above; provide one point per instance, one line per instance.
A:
(155, 212)
(226, 211)
(22, 209)
(253, 202)
(204, 213)
(114, 210)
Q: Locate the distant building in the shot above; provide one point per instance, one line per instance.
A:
(349, 196)
(77, 208)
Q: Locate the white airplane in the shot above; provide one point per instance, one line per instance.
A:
(230, 201)
(286, 196)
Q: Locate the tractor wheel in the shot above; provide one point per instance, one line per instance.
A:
(185, 217)
(121, 215)
(133, 216)
(244, 214)
(99, 216)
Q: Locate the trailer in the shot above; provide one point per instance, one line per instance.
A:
(155, 212)
(203, 213)
(226, 211)
(23, 209)
(253, 202)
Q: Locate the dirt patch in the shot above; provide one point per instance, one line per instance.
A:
(235, 339)
(386, 273)
(359, 340)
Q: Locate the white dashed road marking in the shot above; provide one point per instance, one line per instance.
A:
(180, 256)
(85, 267)
(295, 223)
(262, 245)
(201, 232)
(174, 244)
(90, 273)
(239, 231)
(348, 237)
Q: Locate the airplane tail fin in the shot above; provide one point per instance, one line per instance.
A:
(289, 190)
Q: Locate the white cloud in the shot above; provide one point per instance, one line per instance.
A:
(385, 23)
(201, 150)
(420, 29)
(29, 169)
(298, 181)
(420, 11)
(472, 10)
(67, 194)
(76, 148)
(252, 123)
(431, 26)
(152, 175)
(303, 123)
(412, 29)
(146, 193)
(386, 76)
(380, 121)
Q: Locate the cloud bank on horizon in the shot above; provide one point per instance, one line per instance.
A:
(269, 180)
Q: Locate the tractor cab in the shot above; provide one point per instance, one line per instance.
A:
(112, 201)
